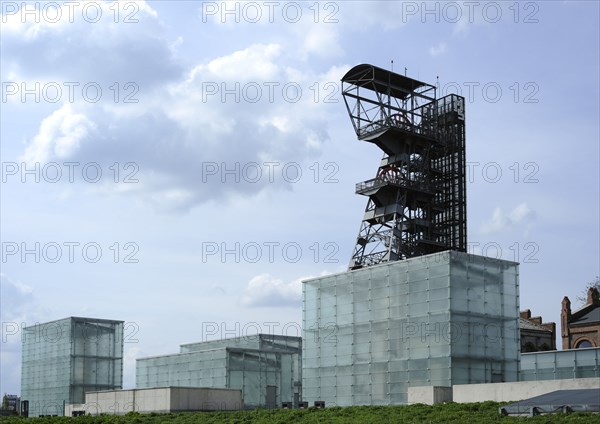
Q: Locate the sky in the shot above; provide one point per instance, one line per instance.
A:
(182, 166)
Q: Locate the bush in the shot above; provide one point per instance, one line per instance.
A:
(486, 412)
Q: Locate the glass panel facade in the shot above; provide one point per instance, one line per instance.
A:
(439, 319)
(63, 359)
(483, 331)
(195, 369)
(254, 371)
(267, 368)
(560, 364)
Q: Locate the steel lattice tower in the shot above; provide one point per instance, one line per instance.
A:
(417, 200)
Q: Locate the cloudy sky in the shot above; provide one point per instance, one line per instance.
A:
(182, 166)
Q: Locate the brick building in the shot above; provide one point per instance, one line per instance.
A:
(581, 328)
(535, 335)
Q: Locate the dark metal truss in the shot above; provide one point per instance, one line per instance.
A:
(417, 200)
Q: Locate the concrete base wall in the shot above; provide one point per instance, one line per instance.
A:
(152, 400)
(498, 392)
(506, 392)
(161, 400)
(429, 395)
(70, 407)
(186, 399)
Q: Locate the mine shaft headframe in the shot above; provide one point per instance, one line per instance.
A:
(376, 96)
(417, 200)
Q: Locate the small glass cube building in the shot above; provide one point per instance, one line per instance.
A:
(436, 320)
(266, 367)
(63, 359)
(560, 364)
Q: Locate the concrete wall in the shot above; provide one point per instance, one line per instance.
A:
(70, 407)
(429, 395)
(123, 401)
(505, 392)
(498, 392)
(161, 400)
(152, 400)
(205, 399)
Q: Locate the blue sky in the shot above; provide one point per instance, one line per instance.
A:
(182, 166)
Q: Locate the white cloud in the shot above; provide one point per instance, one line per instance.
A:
(323, 41)
(18, 309)
(15, 305)
(437, 50)
(76, 48)
(32, 21)
(521, 213)
(172, 200)
(181, 127)
(266, 290)
(59, 135)
(501, 221)
(462, 26)
(18, 304)
(253, 63)
(364, 15)
(22, 288)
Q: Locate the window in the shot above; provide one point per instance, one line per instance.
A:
(545, 347)
(583, 344)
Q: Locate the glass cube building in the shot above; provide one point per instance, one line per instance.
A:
(266, 367)
(63, 359)
(560, 364)
(436, 320)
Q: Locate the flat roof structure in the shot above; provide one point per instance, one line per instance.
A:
(561, 401)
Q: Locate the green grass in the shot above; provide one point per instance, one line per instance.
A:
(486, 412)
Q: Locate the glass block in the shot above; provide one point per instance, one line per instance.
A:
(416, 323)
(62, 357)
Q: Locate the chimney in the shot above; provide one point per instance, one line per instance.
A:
(565, 316)
(592, 296)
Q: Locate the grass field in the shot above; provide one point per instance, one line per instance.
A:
(486, 412)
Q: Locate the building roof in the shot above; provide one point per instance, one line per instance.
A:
(590, 317)
(528, 325)
(78, 319)
(575, 400)
(382, 80)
